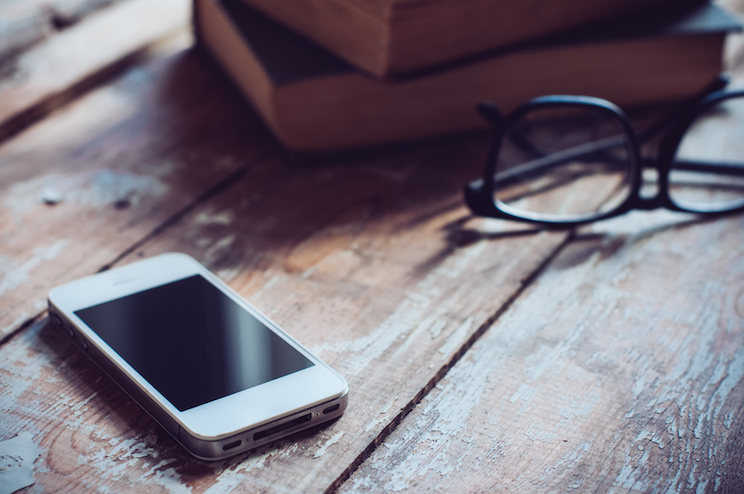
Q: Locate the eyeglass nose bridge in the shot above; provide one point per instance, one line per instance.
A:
(481, 199)
(658, 196)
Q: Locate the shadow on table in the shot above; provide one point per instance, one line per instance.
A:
(604, 238)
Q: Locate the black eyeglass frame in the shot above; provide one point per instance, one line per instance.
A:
(479, 193)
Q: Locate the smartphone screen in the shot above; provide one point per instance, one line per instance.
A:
(191, 342)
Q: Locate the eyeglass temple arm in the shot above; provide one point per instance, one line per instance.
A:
(491, 113)
(720, 167)
(539, 165)
(685, 106)
(479, 200)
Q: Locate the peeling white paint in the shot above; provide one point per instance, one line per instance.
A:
(638, 387)
(457, 338)
(15, 323)
(684, 356)
(117, 463)
(229, 478)
(422, 327)
(333, 440)
(382, 415)
(100, 188)
(110, 457)
(445, 420)
(407, 316)
(630, 473)
(16, 273)
(217, 248)
(17, 457)
(17, 379)
(224, 218)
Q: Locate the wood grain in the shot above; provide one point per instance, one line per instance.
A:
(21, 25)
(370, 261)
(67, 12)
(620, 370)
(69, 62)
(80, 188)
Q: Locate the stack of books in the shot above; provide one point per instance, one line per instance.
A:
(335, 74)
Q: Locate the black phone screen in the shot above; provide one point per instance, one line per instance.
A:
(192, 342)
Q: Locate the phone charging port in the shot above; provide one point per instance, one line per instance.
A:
(286, 425)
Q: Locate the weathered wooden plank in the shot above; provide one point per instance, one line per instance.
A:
(620, 370)
(67, 12)
(370, 261)
(66, 63)
(21, 24)
(24, 22)
(734, 48)
(81, 187)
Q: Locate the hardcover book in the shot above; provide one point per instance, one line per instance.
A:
(314, 101)
(386, 37)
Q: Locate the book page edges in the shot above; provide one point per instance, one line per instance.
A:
(352, 110)
(346, 110)
(387, 37)
(465, 28)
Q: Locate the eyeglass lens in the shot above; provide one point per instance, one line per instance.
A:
(560, 163)
(707, 173)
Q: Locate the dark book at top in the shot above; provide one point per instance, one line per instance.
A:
(314, 101)
(384, 37)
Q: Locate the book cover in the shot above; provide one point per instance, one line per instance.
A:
(314, 101)
(384, 37)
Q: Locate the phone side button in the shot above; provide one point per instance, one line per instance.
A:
(83, 344)
(68, 330)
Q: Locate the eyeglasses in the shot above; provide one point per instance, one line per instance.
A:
(561, 161)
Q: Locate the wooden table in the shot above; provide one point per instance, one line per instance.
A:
(480, 355)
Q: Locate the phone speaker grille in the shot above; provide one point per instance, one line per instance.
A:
(232, 445)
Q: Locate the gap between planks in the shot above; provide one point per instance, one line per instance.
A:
(211, 192)
(442, 372)
(41, 85)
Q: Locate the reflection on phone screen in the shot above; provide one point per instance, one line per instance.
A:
(192, 342)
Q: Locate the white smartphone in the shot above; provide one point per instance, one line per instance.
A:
(219, 376)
